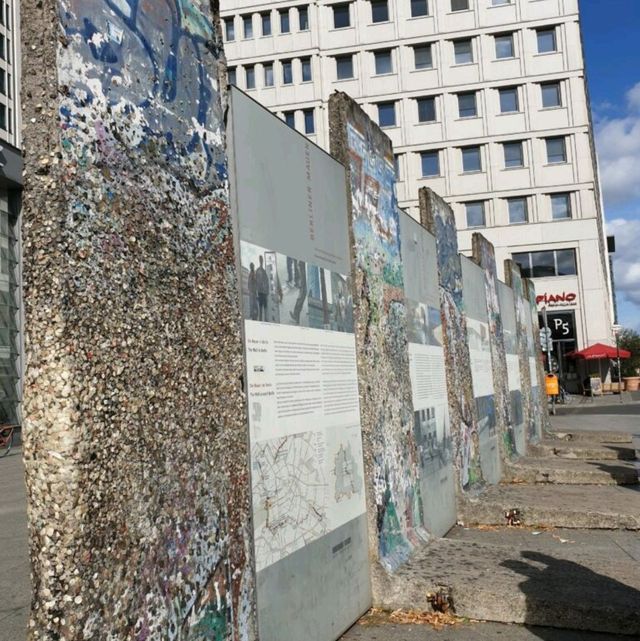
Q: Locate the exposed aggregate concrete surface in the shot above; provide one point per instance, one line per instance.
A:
(134, 428)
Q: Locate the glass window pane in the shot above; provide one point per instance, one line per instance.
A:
(459, 5)
(546, 40)
(290, 118)
(247, 23)
(497, 3)
(287, 72)
(230, 29)
(504, 46)
(523, 260)
(303, 18)
(341, 17)
(509, 100)
(463, 52)
(231, 73)
(471, 159)
(383, 62)
(542, 264)
(379, 11)
(387, 114)
(285, 26)
(419, 8)
(517, 210)
(513, 156)
(306, 69)
(422, 57)
(250, 75)
(344, 67)
(430, 161)
(309, 123)
(268, 75)
(560, 206)
(475, 214)
(426, 109)
(467, 105)
(266, 24)
(551, 94)
(556, 150)
(566, 261)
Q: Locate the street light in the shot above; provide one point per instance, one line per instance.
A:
(616, 331)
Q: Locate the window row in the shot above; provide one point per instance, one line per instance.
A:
(541, 264)
(302, 66)
(301, 119)
(518, 210)
(266, 23)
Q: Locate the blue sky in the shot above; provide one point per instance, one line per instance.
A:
(611, 30)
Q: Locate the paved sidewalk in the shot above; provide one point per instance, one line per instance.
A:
(14, 562)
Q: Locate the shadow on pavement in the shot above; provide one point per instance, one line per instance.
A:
(561, 592)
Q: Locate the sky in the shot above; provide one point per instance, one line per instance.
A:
(611, 30)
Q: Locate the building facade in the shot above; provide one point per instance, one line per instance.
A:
(485, 101)
(10, 197)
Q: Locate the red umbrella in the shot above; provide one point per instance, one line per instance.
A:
(599, 350)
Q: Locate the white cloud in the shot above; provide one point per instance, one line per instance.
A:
(626, 259)
(618, 144)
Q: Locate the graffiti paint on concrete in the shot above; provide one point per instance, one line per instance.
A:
(380, 313)
(438, 217)
(484, 255)
(141, 332)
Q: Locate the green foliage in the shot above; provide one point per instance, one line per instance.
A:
(629, 339)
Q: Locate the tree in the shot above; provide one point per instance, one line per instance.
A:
(629, 339)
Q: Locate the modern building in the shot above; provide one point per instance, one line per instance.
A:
(485, 101)
(10, 197)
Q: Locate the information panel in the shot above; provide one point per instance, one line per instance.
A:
(475, 304)
(508, 313)
(307, 476)
(428, 380)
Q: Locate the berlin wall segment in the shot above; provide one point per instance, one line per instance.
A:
(484, 255)
(134, 430)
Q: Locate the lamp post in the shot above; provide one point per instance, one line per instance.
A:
(616, 331)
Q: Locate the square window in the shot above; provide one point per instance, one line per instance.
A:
(504, 46)
(387, 114)
(290, 118)
(556, 150)
(430, 162)
(250, 77)
(379, 11)
(509, 100)
(426, 109)
(231, 75)
(422, 57)
(560, 206)
(566, 262)
(285, 25)
(341, 16)
(266, 23)
(467, 107)
(344, 67)
(309, 122)
(459, 5)
(546, 40)
(287, 72)
(230, 29)
(419, 8)
(551, 95)
(306, 69)
(383, 62)
(471, 160)
(247, 26)
(523, 261)
(513, 155)
(543, 264)
(463, 51)
(518, 210)
(303, 18)
(475, 214)
(268, 75)
(497, 3)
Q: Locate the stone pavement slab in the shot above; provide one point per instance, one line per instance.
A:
(14, 561)
(568, 506)
(471, 632)
(513, 576)
(566, 471)
(582, 449)
(590, 436)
